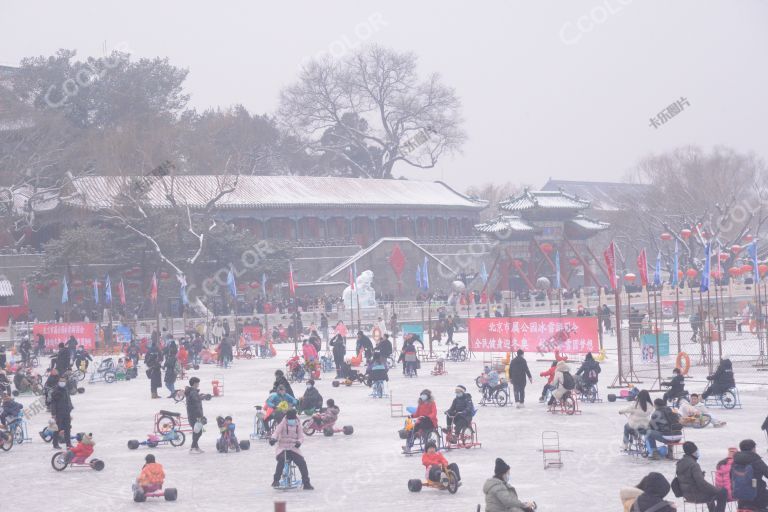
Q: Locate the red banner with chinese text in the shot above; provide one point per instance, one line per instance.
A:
(534, 334)
(84, 333)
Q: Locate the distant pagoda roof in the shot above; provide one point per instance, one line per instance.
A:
(603, 195)
(543, 199)
(588, 224)
(505, 223)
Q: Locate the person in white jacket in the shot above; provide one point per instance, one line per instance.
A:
(638, 417)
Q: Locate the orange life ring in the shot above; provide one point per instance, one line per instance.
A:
(683, 357)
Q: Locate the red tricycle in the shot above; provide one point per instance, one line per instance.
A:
(141, 493)
(316, 424)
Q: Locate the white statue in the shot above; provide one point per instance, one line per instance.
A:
(363, 290)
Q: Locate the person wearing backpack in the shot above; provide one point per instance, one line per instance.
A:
(518, 372)
(589, 372)
(748, 474)
(693, 486)
(563, 383)
(665, 427)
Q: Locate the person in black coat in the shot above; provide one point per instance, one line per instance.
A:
(312, 399)
(748, 456)
(339, 347)
(655, 487)
(72, 346)
(225, 352)
(364, 343)
(61, 410)
(676, 385)
(461, 411)
(280, 380)
(720, 381)
(383, 348)
(194, 411)
(62, 359)
(154, 369)
(518, 372)
(170, 374)
(588, 372)
(3, 358)
(693, 483)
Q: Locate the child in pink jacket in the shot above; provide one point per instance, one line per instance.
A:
(288, 436)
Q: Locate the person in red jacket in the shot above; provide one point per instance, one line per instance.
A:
(425, 417)
(550, 375)
(84, 449)
(434, 461)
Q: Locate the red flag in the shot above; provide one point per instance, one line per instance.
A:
(351, 279)
(121, 291)
(610, 262)
(26, 293)
(642, 267)
(291, 282)
(153, 291)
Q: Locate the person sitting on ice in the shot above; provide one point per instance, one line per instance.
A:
(588, 373)
(152, 475)
(638, 417)
(329, 416)
(10, 410)
(720, 381)
(434, 461)
(676, 386)
(692, 411)
(280, 402)
(82, 450)
(288, 437)
(490, 381)
(311, 401)
(461, 412)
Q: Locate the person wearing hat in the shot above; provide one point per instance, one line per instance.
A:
(694, 485)
(500, 496)
(312, 400)
(9, 410)
(61, 411)
(461, 411)
(288, 437)
(647, 495)
(152, 475)
(434, 461)
(747, 456)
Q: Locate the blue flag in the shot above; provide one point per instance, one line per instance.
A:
(425, 274)
(483, 273)
(107, 290)
(64, 291)
(675, 270)
(752, 250)
(418, 276)
(231, 283)
(557, 270)
(657, 271)
(707, 267)
(96, 291)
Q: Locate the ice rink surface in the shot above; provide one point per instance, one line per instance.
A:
(365, 471)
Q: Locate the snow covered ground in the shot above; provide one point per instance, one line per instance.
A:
(365, 471)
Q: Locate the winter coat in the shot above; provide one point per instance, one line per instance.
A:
(385, 348)
(694, 485)
(676, 385)
(339, 348)
(462, 406)
(433, 459)
(549, 374)
(330, 415)
(287, 436)
(276, 399)
(501, 497)
(225, 350)
(9, 411)
(427, 409)
(312, 399)
(655, 487)
(378, 372)
(760, 471)
(61, 404)
(282, 381)
(194, 404)
(364, 343)
(660, 421)
(637, 417)
(723, 376)
(309, 352)
(518, 371)
(84, 448)
(170, 370)
(62, 360)
(561, 368)
(152, 474)
(723, 476)
(587, 367)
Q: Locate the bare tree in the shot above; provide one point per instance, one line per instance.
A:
(371, 111)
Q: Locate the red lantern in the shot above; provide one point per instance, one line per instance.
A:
(717, 274)
(734, 271)
(254, 284)
(746, 269)
(574, 262)
(762, 268)
(685, 233)
(735, 249)
(679, 275)
(691, 273)
(666, 236)
(546, 248)
(747, 238)
(723, 257)
(164, 275)
(630, 277)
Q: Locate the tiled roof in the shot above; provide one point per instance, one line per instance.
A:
(546, 199)
(504, 223)
(605, 196)
(589, 224)
(96, 192)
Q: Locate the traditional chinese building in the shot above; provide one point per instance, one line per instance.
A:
(535, 229)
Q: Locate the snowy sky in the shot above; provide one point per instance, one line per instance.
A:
(561, 89)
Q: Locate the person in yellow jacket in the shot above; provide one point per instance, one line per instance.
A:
(152, 475)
